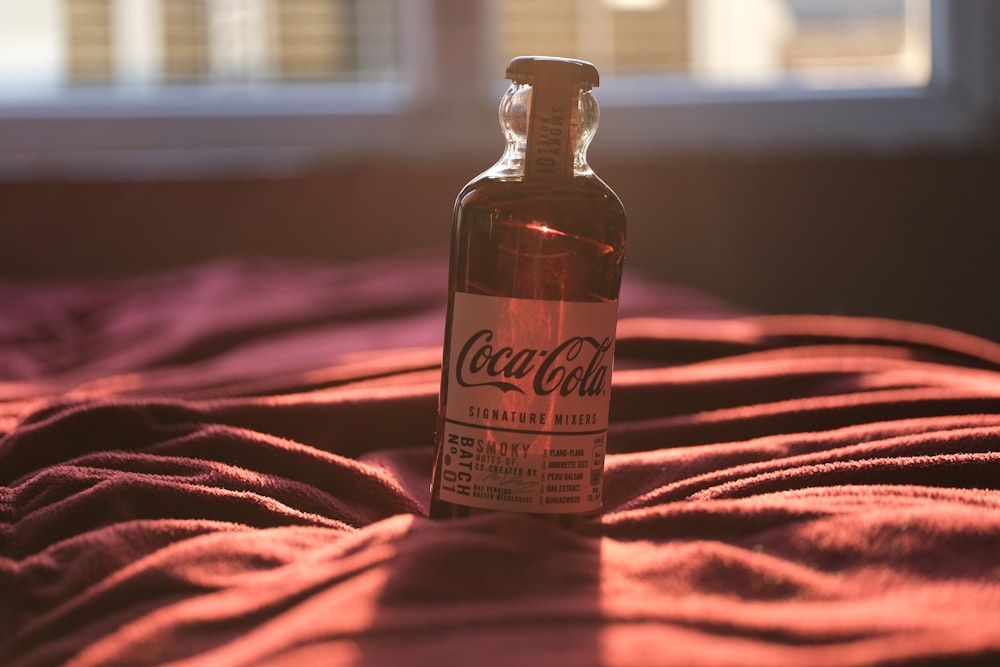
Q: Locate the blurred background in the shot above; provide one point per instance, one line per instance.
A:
(824, 156)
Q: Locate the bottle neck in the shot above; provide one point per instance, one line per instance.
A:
(548, 129)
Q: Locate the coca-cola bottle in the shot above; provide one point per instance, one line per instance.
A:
(536, 260)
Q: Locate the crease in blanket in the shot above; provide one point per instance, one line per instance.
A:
(248, 485)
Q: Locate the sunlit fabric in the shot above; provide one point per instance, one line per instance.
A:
(229, 465)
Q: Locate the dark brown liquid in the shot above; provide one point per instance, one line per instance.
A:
(528, 241)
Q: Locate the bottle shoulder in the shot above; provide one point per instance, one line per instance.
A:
(493, 188)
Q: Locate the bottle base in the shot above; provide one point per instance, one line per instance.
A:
(443, 510)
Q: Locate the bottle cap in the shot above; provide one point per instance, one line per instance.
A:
(522, 69)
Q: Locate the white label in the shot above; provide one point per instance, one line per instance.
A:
(527, 413)
(552, 123)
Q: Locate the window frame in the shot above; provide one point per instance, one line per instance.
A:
(436, 117)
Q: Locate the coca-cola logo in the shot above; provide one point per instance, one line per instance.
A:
(575, 366)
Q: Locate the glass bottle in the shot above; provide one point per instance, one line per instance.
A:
(536, 262)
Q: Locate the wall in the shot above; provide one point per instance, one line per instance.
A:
(912, 237)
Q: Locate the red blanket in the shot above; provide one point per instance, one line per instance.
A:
(229, 465)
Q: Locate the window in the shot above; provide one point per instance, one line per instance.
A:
(194, 87)
(53, 48)
(721, 43)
